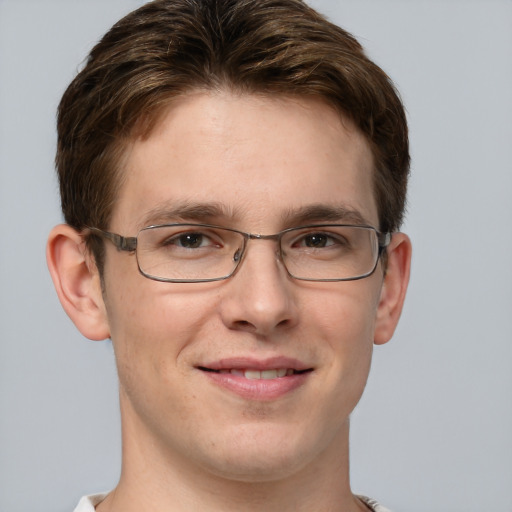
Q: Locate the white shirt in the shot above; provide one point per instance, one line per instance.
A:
(88, 503)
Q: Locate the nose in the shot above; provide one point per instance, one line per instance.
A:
(260, 297)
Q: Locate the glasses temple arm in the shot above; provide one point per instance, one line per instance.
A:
(123, 243)
(384, 240)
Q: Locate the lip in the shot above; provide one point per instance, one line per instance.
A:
(256, 389)
(240, 363)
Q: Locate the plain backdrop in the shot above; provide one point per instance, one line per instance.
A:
(433, 431)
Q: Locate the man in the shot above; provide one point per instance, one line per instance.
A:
(233, 175)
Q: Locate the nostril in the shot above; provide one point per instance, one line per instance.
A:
(244, 325)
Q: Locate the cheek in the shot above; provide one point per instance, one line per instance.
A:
(158, 322)
(151, 344)
(346, 319)
(347, 314)
(152, 324)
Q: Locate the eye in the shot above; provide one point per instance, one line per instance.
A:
(191, 240)
(317, 240)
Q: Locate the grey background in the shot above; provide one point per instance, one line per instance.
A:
(433, 431)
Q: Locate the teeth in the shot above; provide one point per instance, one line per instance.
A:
(252, 374)
(265, 374)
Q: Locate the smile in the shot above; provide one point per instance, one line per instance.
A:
(253, 374)
(257, 380)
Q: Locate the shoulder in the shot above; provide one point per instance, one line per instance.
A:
(88, 503)
(373, 505)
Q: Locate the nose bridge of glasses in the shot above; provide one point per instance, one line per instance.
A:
(257, 236)
(240, 254)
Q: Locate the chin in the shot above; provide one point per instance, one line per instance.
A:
(257, 471)
(263, 455)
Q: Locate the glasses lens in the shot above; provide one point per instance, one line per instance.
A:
(188, 252)
(330, 252)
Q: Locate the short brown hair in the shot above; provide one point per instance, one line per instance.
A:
(169, 47)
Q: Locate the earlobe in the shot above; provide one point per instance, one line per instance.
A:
(77, 282)
(394, 287)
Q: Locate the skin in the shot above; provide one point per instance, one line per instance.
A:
(189, 444)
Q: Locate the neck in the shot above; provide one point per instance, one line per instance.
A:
(155, 479)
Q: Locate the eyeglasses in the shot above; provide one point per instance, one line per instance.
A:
(193, 253)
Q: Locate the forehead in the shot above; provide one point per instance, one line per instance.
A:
(253, 157)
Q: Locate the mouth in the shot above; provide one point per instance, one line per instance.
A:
(254, 374)
(252, 379)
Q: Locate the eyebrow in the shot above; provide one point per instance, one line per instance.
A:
(217, 212)
(324, 213)
(184, 211)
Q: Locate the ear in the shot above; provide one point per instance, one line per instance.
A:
(394, 287)
(77, 282)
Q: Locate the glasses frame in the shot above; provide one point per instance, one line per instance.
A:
(129, 244)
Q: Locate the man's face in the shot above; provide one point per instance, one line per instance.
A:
(257, 164)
